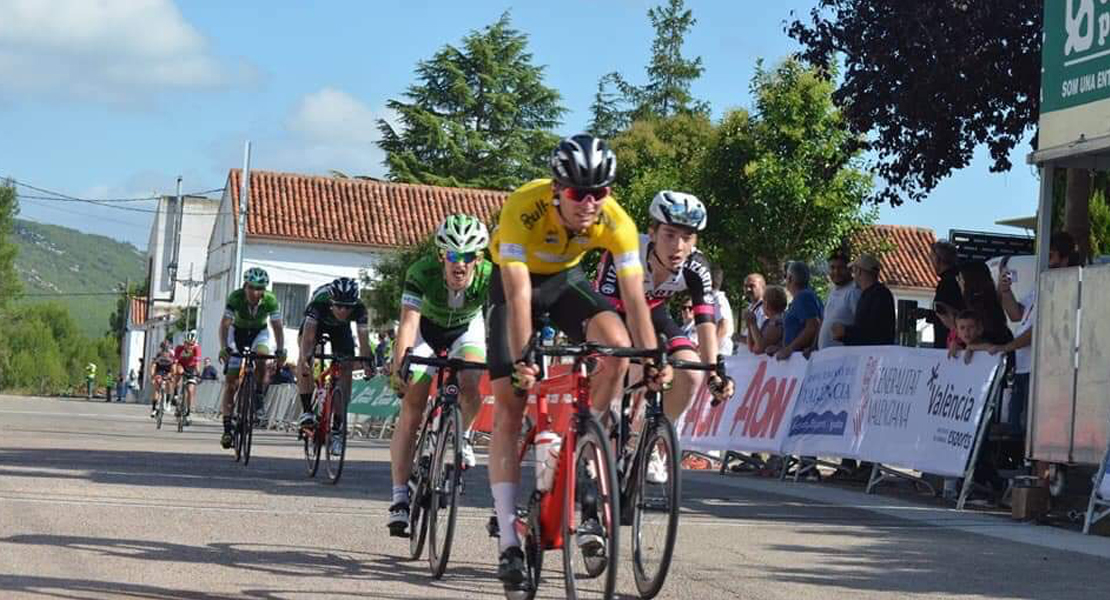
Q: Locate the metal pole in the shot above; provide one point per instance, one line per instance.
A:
(244, 195)
(1044, 232)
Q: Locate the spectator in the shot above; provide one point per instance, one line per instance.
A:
(754, 286)
(689, 329)
(874, 322)
(769, 333)
(121, 388)
(209, 372)
(90, 380)
(948, 300)
(969, 335)
(840, 308)
(802, 320)
(980, 295)
(722, 313)
(1060, 250)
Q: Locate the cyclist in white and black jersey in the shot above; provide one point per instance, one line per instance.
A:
(672, 264)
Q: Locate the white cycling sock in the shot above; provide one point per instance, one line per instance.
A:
(400, 494)
(504, 502)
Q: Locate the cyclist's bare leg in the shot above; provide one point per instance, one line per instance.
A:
(685, 384)
(607, 383)
(230, 387)
(504, 457)
(404, 433)
(470, 398)
(340, 406)
(190, 396)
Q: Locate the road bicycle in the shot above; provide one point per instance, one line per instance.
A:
(650, 501)
(330, 425)
(243, 412)
(436, 478)
(585, 487)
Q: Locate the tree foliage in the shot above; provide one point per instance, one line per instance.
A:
(45, 353)
(930, 81)
(10, 286)
(781, 182)
(479, 115)
(670, 75)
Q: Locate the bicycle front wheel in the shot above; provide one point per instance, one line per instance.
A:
(160, 410)
(655, 503)
(446, 478)
(246, 417)
(591, 516)
(334, 460)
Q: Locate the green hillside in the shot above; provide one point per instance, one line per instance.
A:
(63, 262)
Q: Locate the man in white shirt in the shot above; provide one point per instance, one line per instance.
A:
(1060, 250)
(754, 316)
(844, 295)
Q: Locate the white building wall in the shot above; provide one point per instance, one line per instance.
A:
(218, 272)
(133, 341)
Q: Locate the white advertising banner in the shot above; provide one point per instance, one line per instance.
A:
(906, 407)
(755, 419)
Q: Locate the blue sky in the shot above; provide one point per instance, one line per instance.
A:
(115, 99)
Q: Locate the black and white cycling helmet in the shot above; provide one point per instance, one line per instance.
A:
(191, 336)
(583, 161)
(344, 292)
(462, 233)
(677, 208)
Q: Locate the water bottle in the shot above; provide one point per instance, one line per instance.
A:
(547, 459)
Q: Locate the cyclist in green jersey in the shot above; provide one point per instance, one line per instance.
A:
(244, 326)
(441, 310)
(332, 309)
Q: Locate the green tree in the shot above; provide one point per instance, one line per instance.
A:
(930, 81)
(10, 286)
(670, 75)
(479, 116)
(46, 352)
(606, 117)
(783, 182)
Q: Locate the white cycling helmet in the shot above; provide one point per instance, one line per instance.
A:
(462, 233)
(677, 208)
(191, 336)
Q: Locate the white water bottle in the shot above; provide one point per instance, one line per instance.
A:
(547, 446)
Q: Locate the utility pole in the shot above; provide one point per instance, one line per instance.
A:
(244, 197)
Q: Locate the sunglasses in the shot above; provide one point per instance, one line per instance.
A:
(256, 288)
(460, 257)
(686, 308)
(581, 195)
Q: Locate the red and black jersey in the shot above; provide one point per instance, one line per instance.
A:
(693, 278)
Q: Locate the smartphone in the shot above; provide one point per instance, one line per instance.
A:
(1012, 275)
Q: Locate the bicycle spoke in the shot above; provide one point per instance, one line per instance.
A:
(656, 498)
(591, 524)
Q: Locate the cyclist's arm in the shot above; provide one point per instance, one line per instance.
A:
(707, 342)
(517, 285)
(406, 335)
(279, 334)
(364, 342)
(225, 324)
(308, 339)
(639, 316)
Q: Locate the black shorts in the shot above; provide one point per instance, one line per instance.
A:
(244, 338)
(190, 375)
(342, 342)
(440, 338)
(568, 297)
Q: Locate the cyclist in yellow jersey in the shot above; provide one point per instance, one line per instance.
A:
(544, 229)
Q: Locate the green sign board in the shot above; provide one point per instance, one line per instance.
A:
(1075, 60)
(373, 398)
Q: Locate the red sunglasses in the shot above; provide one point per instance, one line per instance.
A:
(580, 195)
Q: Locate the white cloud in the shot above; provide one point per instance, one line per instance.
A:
(112, 51)
(334, 117)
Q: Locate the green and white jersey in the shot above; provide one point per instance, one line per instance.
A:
(426, 291)
(244, 316)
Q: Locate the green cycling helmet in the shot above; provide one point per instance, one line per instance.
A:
(462, 233)
(256, 277)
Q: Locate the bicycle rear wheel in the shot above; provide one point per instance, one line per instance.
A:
(591, 517)
(180, 412)
(656, 497)
(339, 427)
(446, 479)
(419, 490)
(160, 410)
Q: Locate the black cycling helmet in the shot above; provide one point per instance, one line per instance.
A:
(583, 161)
(344, 292)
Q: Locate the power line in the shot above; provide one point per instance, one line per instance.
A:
(55, 294)
(54, 196)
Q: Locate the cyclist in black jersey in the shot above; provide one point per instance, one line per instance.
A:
(160, 374)
(673, 264)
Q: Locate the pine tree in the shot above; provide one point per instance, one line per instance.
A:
(478, 116)
(607, 118)
(9, 280)
(667, 92)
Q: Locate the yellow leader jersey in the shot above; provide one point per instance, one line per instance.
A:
(530, 232)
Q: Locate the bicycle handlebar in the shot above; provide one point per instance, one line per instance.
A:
(338, 358)
(251, 354)
(455, 364)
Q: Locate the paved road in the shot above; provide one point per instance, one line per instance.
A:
(94, 503)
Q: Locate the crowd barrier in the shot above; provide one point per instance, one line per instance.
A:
(1098, 507)
(903, 409)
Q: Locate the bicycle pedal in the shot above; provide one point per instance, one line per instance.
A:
(398, 531)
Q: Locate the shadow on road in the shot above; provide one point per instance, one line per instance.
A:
(81, 589)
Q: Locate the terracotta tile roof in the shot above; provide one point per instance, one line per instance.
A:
(307, 208)
(906, 264)
(137, 314)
